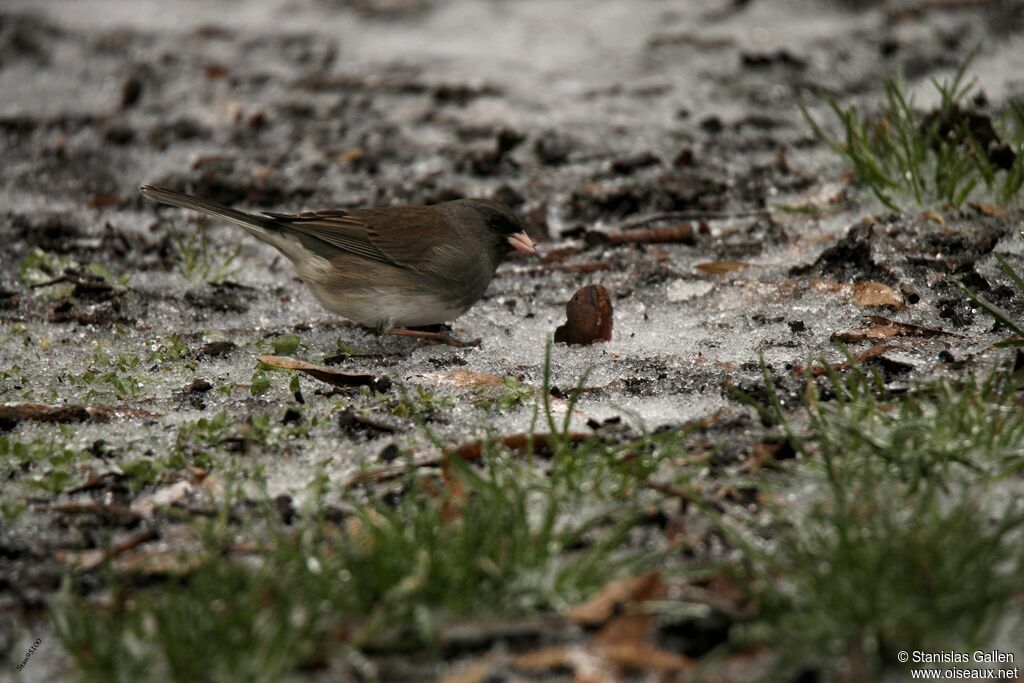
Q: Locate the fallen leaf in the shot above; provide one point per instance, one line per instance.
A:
(117, 512)
(13, 413)
(465, 379)
(146, 504)
(934, 217)
(631, 624)
(989, 209)
(326, 373)
(546, 659)
(477, 672)
(684, 233)
(102, 201)
(589, 317)
(175, 553)
(87, 560)
(455, 497)
(622, 642)
(645, 657)
(819, 370)
(884, 328)
(722, 267)
(875, 294)
(603, 605)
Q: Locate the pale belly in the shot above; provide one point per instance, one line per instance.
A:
(389, 309)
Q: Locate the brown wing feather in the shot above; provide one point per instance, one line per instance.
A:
(411, 237)
(336, 228)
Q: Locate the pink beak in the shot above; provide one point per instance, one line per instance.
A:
(522, 242)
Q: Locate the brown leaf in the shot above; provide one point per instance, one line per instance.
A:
(164, 561)
(13, 413)
(819, 370)
(92, 558)
(466, 379)
(989, 209)
(604, 604)
(324, 373)
(477, 672)
(885, 328)
(177, 552)
(622, 642)
(102, 201)
(873, 294)
(547, 659)
(114, 512)
(722, 267)
(645, 657)
(684, 233)
(163, 497)
(455, 496)
(589, 317)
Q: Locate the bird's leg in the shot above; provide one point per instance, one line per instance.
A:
(436, 337)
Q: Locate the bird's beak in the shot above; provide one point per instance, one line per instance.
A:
(522, 242)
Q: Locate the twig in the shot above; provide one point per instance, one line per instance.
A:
(690, 216)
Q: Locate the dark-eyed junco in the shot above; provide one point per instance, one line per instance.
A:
(401, 266)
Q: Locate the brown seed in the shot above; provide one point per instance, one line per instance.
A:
(588, 317)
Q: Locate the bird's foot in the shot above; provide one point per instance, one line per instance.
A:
(434, 337)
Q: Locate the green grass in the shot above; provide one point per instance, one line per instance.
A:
(997, 313)
(47, 462)
(908, 532)
(510, 395)
(926, 158)
(897, 527)
(200, 260)
(498, 539)
(513, 534)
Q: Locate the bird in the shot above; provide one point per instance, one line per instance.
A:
(388, 268)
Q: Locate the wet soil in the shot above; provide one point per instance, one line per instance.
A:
(591, 118)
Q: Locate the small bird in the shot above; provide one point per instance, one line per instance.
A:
(385, 268)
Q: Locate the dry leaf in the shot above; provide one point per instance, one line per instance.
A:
(92, 558)
(603, 605)
(455, 495)
(324, 373)
(819, 370)
(721, 267)
(546, 659)
(884, 328)
(989, 209)
(476, 672)
(645, 657)
(102, 201)
(684, 233)
(622, 642)
(465, 379)
(146, 504)
(874, 294)
(13, 413)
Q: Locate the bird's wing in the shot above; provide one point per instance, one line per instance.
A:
(411, 237)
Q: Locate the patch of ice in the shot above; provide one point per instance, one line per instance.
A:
(684, 290)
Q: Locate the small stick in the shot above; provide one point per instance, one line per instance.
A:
(436, 337)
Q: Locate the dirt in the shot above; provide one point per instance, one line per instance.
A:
(595, 119)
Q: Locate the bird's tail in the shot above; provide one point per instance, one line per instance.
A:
(259, 226)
